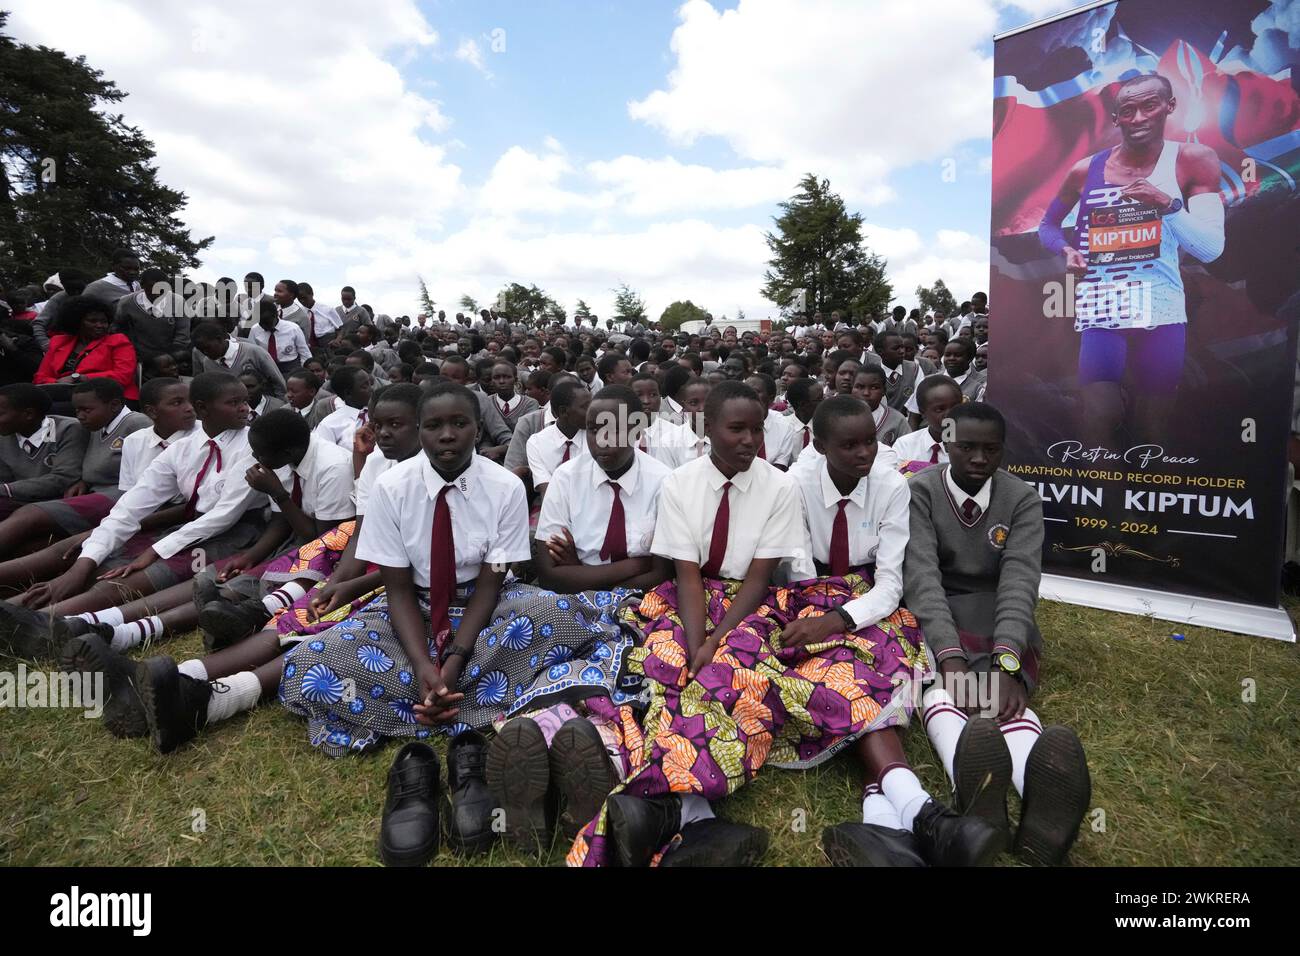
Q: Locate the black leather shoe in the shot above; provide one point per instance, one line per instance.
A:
(981, 768)
(716, 842)
(36, 635)
(868, 844)
(946, 838)
(638, 827)
(408, 834)
(470, 827)
(228, 622)
(1057, 792)
(581, 773)
(175, 705)
(519, 778)
(92, 654)
(206, 590)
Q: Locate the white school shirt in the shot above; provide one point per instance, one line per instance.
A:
(879, 523)
(377, 465)
(489, 518)
(914, 408)
(224, 495)
(885, 455)
(546, 449)
(290, 343)
(140, 448)
(797, 431)
(579, 498)
(765, 520)
(778, 438)
(340, 425)
(668, 442)
(324, 319)
(917, 446)
(672, 411)
(325, 476)
(29, 443)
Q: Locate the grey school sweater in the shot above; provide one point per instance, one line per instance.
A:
(249, 358)
(1001, 553)
(152, 335)
(51, 469)
(103, 461)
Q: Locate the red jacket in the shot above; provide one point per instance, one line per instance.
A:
(113, 357)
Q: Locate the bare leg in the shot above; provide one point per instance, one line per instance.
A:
(19, 574)
(26, 530)
(167, 599)
(104, 594)
(262, 648)
(268, 675)
(879, 749)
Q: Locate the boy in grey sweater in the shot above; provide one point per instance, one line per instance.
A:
(215, 351)
(971, 576)
(40, 453)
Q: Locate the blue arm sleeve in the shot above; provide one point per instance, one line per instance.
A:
(1050, 233)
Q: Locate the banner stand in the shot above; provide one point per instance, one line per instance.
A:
(1229, 616)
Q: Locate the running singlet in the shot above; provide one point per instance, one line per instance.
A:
(1132, 280)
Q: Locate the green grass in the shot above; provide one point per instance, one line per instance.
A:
(1185, 771)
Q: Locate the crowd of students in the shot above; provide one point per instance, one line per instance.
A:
(622, 570)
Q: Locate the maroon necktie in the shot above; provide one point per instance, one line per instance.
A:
(505, 409)
(615, 546)
(806, 430)
(568, 447)
(840, 542)
(970, 509)
(718, 542)
(442, 567)
(270, 347)
(361, 419)
(311, 324)
(296, 495)
(214, 454)
(934, 454)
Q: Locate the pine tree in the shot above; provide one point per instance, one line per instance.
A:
(468, 304)
(427, 305)
(818, 248)
(628, 304)
(76, 182)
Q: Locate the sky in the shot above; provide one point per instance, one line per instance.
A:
(574, 145)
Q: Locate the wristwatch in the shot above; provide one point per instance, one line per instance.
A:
(454, 651)
(75, 376)
(1008, 663)
(850, 625)
(1175, 205)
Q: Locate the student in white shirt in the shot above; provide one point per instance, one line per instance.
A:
(937, 395)
(247, 668)
(206, 469)
(443, 529)
(565, 440)
(693, 397)
(665, 440)
(726, 518)
(804, 395)
(280, 337)
(778, 436)
(325, 320)
(857, 514)
(352, 385)
(594, 538)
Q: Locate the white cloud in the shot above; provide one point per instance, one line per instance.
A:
(652, 187)
(468, 51)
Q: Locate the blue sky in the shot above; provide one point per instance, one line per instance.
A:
(575, 145)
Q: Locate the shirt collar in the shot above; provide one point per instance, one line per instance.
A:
(173, 438)
(548, 417)
(717, 479)
(959, 497)
(879, 414)
(120, 282)
(231, 351)
(627, 482)
(434, 482)
(261, 407)
(112, 426)
(41, 435)
(831, 495)
(308, 464)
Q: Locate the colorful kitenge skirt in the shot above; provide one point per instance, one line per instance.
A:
(909, 468)
(82, 513)
(758, 702)
(354, 682)
(313, 561)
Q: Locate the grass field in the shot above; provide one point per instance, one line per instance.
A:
(1185, 772)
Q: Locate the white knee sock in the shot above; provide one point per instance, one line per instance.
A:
(233, 695)
(877, 809)
(112, 615)
(1021, 734)
(283, 596)
(127, 636)
(904, 792)
(193, 668)
(695, 807)
(943, 724)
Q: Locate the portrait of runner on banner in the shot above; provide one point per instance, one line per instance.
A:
(1140, 204)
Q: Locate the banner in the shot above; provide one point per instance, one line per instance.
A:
(1145, 287)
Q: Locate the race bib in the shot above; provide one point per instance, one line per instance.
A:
(1123, 234)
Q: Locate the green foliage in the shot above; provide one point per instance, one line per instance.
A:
(527, 302)
(817, 247)
(679, 313)
(76, 182)
(936, 297)
(468, 304)
(628, 304)
(427, 305)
